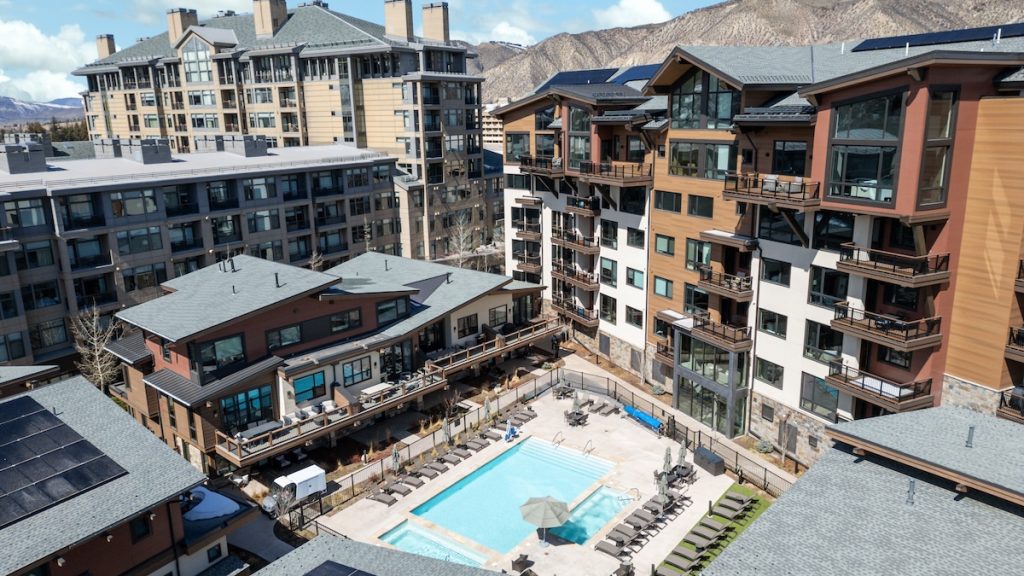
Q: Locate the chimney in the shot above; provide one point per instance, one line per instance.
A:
(105, 45)
(398, 19)
(435, 22)
(269, 16)
(178, 20)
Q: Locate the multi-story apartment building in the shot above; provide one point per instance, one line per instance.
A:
(310, 76)
(494, 136)
(88, 491)
(851, 226)
(107, 232)
(578, 175)
(250, 359)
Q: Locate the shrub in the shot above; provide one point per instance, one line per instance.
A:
(764, 447)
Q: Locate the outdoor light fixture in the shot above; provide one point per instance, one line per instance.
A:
(61, 561)
(110, 537)
(152, 515)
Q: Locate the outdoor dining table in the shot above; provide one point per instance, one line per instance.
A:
(257, 430)
(376, 390)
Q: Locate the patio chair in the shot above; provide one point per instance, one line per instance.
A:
(664, 571)
(637, 522)
(383, 498)
(728, 513)
(734, 505)
(427, 472)
(522, 563)
(715, 524)
(461, 453)
(596, 407)
(706, 532)
(645, 516)
(624, 534)
(610, 549)
(411, 481)
(399, 489)
(451, 458)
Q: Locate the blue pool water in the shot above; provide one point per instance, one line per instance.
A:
(589, 516)
(412, 538)
(484, 506)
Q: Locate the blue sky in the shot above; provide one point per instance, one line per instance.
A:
(43, 40)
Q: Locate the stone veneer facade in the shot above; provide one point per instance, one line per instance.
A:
(812, 438)
(957, 392)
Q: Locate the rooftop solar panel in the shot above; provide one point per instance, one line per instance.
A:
(645, 72)
(43, 461)
(575, 77)
(330, 568)
(946, 37)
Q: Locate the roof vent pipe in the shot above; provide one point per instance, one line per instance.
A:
(910, 492)
(232, 261)
(386, 265)
(448, 278)
(842, 50)
(970, 436)
(906, 49)
(277, 279)
(233, 289)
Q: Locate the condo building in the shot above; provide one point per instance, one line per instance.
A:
(251, 359)
(577, 179)
(838, 200)
(314, 76)
(106, 232)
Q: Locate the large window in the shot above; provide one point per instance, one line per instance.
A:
(259, 188)
(34, 255)
(196, 59)
(497, 316)
(822, 343)
(634, 317)
(467, 326)
(664, 245)
(775, 271)
(701, 100)
(545, 145)
(900, 297)
(221, 353)
(688, 100)
(516, 145)
(695, 300)
(865, 148)
(698, 254)
(579, 151)
(609, 234)
(8, 306)
(827, 286)
(633, 199)
(635, 150)
(133, 203)
(347, 320)
(392, 310)
(684, 159)
(240, 410)
(282, 337)
(41, 295)
(768, 372)
(700, 160)
(139, 240)
(609, 272)
(48, 333)
(579, 120)
(773, 226)
(819, 398)
(356, 371)
(608, 309)
(634, 278)
(263, 221)
(832, 229)
(771, 323)
(142, 277)
(669, 201)
(12, 346)
(310, 387)
(25, 213)
(719, 161)
(702, 206)
(634, 237)
(543, 118)
(789, 158)
(662, 287)
(938, 147)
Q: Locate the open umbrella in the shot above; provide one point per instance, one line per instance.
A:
(682, 453)
(667, 466)
(545, 512)
(396, 459)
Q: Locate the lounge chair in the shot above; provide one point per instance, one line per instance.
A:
(728, 513)
(399, 489)
(451, 458)
(628, 532)
(707, 532)
(643, 515)
(740, 498)
(598, 406)
(476, 445)
(687, 553)
(426, 472)
(734, 505)
(698, 541)
(638, 522)
(461, 453)
(494, 434)
(517, 421)
(438, 466)
(383, 498)
(521, 564)
(411, 481)
(609, 549)
(663, 571)
(609, 409)
(682, 563)
(715, 524)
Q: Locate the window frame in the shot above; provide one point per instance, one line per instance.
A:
(467, 326)
(786, 266)
(810, 403)
(676, 205)
(761, 362)
(948, 144)
(781, 322)
(317, 387)
(670, 245)
(693, 206)
(666, 283)
(897, 143)
(356, 371)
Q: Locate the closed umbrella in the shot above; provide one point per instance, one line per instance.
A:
(447, 432)
(667, 466)
(682, 453)
(487, 409)
(575, 402)
(396, 459)
(545, 512)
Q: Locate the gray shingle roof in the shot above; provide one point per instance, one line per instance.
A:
(602, 92)
(210, 297)
(376, 560)
(190, 393)
(938, 436)
(849, 515)
(155, 474)
(9, 374)
(131, 348)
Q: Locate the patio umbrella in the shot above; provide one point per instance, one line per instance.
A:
(487, 408)
(682, 453)
(447, 432)
(667, 466)
(545, 512)
(396, 459)
(663, 487)
(575, 402)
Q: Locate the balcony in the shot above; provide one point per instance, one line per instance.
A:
(88, 262)
(1011, 405)
(500, 345)
(585, 316)
(890, 395)
(617, 174)
(773, 191)
(186, 245)
(738, 288)
(666, 353)
(732, 338)
(896, 333)
(82, 222)
(574, 241)
(182, 209)
(527, 230)
(901, 269)
(541, 165)
(1019, 285)
(7, 240)
(1015, 345)
(529, 201)
(583, 206)
(94, 300)
(242, 451)
(528, 263)
(574, 276)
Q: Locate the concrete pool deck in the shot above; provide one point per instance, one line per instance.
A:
(636, 453)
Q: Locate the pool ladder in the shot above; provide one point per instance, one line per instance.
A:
(588, 448)
(557, 440)
(628, 497)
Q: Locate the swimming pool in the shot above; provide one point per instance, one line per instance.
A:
(589, 516)
(484, 506)
(412, 538)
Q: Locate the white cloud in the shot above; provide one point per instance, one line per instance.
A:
(503, 31)
(627, 13)
(155, 11)
(40, 86)
(35, 65)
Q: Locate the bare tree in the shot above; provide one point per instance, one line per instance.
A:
(460, 239)
(316, 261)
(92, 335)
(451, 406)
(367, 233)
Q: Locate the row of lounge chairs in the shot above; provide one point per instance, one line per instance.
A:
(706, 535)
(640, 526)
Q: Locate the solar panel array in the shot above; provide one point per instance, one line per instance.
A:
(645, 72)
(947, 37)
(43, 461)
(330, 568)
(574, 77)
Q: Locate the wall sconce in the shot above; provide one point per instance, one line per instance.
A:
(152, 516)
(110, 537)
(61, 561)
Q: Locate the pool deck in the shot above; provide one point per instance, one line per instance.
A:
(636, 453)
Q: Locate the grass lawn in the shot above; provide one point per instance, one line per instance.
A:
(738, 527)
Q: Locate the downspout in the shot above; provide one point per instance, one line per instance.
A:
(753, 342)
(174, 542)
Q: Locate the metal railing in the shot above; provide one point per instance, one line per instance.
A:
(1012, 403)
(726, 281)
(528, 259)
(572, 237)
(731, 334)
(574, 273)
(499, 345)
(774, 188)
(666, 350)
(889, 326)
(891, 262)
(592, 204)
(540, 163)
(527, 226)
(883, 387)
(568, 306)
(614, 171)
(1016, 338)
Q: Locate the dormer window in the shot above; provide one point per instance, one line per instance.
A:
(196, 58)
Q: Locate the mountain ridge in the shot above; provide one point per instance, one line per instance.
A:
(14, 111)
